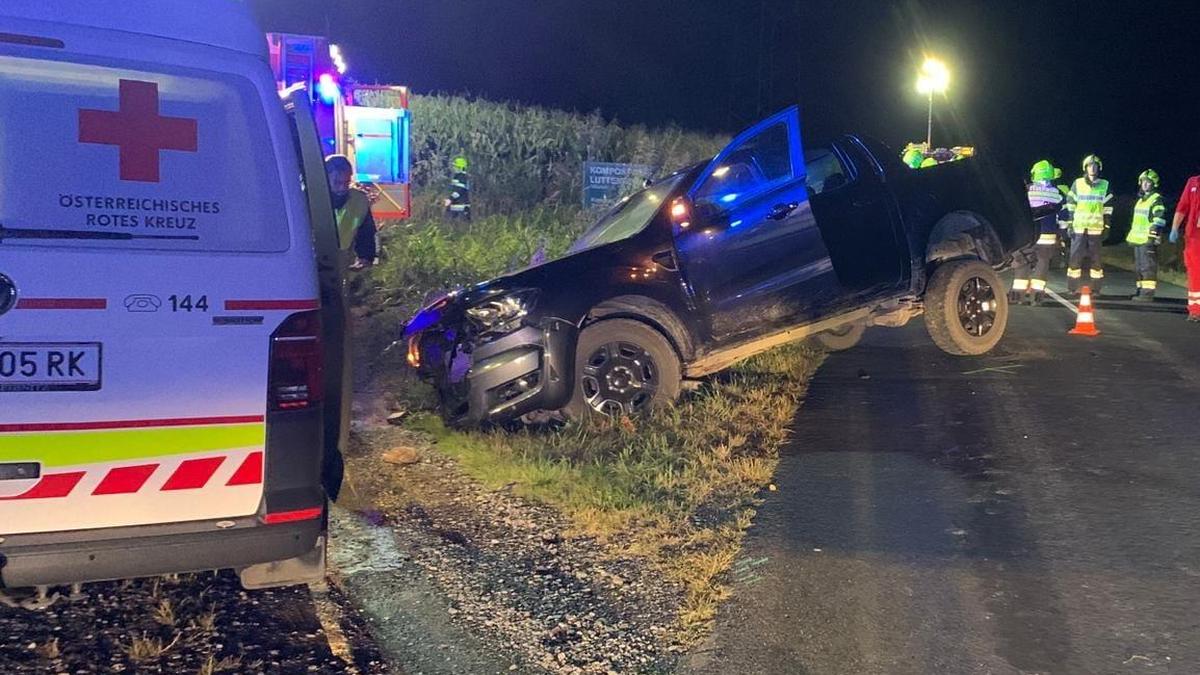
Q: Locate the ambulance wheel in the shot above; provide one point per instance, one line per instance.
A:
(843, 337)
(622, 367)
(966, 308)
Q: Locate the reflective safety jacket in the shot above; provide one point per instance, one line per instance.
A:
(1042, 193)
(1149, 219)
(1088, 204)
(350, 216)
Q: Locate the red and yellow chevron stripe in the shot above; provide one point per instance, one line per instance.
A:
(109, 472)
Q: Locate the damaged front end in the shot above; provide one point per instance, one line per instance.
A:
(491, 355)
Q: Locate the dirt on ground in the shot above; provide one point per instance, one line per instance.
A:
(192, 623)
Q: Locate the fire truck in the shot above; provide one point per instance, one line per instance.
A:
(367, 123)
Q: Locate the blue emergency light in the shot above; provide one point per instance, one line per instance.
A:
(327, 88)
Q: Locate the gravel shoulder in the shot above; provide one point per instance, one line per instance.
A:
(458, 578)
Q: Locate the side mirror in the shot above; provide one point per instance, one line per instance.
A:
(707, 211)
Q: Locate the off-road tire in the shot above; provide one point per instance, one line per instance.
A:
(843, 337)
(665, 361)
(942, 308)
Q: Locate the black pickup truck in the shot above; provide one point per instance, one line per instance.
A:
(768, 242)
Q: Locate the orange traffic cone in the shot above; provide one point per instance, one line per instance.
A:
(1085, 319)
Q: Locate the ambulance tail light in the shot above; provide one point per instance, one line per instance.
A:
(297, 365)
(296, 516)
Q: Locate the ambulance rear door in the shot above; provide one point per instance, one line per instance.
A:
(154, 260)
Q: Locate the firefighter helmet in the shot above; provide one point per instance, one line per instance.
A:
(913, 157)
(1150, 175)
(460, 163)
(1093, 159)
(1043, 170)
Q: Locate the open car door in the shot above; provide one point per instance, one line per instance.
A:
(752, 253)
(334, 311)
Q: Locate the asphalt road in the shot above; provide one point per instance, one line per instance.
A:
(1033, 511)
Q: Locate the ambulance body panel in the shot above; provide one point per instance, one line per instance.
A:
(157, 241)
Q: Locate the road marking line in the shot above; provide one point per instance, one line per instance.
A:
(1061, 300)
(330, 614)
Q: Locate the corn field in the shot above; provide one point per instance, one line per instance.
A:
(526, 156)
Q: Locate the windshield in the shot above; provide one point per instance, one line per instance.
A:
(629, 216)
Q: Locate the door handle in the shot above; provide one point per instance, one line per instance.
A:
(666, 260)
(781, 211)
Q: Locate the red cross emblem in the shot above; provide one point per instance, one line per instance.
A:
(138, 130)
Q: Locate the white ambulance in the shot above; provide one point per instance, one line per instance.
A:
(172, 387)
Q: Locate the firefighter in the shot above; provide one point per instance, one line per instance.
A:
(1089, 213)
(1187, 224)
(352, 207)
(1032, 279)
(1149, 220)
(458, 204)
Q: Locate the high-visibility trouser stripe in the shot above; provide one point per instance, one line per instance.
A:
(1020, 284)
(1085, 317)
(1074, 273)
(1038, 284)
(192, 474)
(459, 207)
(1047, 239)
(1150, 284)
(1096, 274)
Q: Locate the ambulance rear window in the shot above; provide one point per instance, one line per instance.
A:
(99, 156)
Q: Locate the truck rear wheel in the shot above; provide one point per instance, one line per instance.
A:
(966, 309)
(622, 367)
(843, 337)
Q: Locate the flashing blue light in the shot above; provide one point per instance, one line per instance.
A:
(735, 223)
(327, 88)
(729, 197)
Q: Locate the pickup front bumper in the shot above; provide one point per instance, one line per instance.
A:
(494, 379)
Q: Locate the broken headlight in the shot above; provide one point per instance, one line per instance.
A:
(503, 313)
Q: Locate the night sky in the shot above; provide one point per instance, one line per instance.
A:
(1029, 80)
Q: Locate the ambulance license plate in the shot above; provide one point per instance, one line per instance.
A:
(50, 366)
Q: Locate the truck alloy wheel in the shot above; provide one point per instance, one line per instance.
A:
(622, 367)
(964, 313)
(977, 306)
(619, 378)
